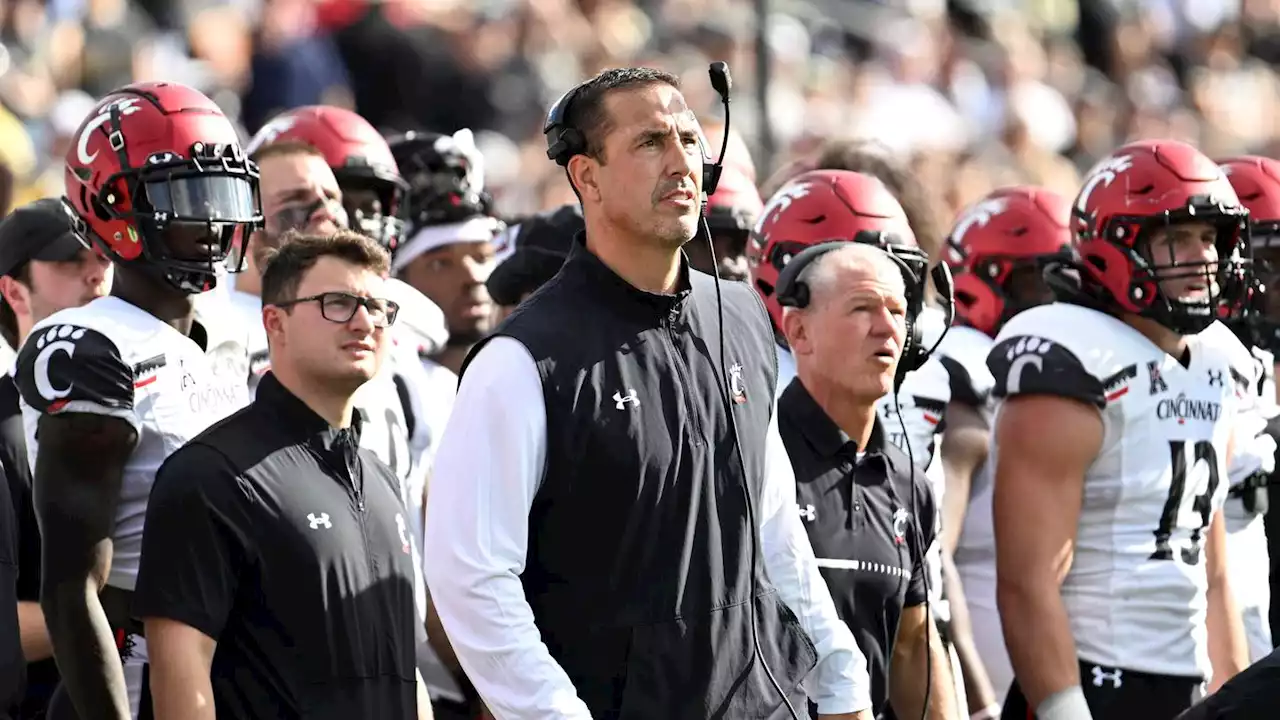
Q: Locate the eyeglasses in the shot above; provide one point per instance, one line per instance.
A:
(340, 307)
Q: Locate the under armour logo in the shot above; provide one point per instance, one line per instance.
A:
(1157, 380)
(808, 512)
(319, 521)
(1116, 677)
(404, 536)
(736, 387)
(620, 400)
(1215, 378)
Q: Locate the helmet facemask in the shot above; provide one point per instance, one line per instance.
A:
(1204, 291)
(375, 207)
(185, 215)
(1259, 323)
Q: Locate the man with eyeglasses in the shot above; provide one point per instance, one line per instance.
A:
(278, 578)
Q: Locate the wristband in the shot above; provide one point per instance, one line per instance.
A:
(1066, 704)
(990, 712)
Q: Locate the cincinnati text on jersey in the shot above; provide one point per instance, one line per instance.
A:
(1183, 408)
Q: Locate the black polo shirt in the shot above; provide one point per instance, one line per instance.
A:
(859, 516)
(280, 538)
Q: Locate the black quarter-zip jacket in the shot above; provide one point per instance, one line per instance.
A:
(639, 555)
(276, 535)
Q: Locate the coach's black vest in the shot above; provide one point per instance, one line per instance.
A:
(638, 567)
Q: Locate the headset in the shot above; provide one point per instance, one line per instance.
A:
(793, 291)
(563, 142)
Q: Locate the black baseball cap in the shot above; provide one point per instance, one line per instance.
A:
(37, 231)
(542, 242)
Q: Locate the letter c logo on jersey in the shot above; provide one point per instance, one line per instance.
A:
(1029, 351)
(58, 339)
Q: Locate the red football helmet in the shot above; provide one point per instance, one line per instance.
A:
(1140, 189)
(156, 179)
(735, 205)
(1257, 183)
(373, 192)
(821, 206)
(1009, 230)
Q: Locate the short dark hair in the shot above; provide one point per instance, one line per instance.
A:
(299, 252)
(285, 147)
(587, 113)
(8, 320)
(872, 159)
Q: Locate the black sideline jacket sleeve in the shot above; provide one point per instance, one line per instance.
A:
(195, 541)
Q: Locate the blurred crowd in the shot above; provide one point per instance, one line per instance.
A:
(977, 93)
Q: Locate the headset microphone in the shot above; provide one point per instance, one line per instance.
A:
(723, 83)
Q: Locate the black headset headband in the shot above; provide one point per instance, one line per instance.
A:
(564, 140)
(794, 292)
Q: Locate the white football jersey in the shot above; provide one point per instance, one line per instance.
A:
(1254, 452)
(111, 358)
(964, 353)
(1136, 591)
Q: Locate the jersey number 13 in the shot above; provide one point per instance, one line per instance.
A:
(1179, 494)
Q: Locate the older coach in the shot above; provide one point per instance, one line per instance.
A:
(605, 485)
(869, 516)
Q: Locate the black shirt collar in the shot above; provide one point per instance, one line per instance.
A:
(617, 292)
(301, 419)
(823, 434)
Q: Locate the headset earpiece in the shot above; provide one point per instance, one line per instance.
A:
(563, 140)
(792, 291)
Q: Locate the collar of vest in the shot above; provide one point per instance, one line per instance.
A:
(615, 291)
(821, 431)
(300, 418)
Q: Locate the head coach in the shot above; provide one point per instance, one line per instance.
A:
(277, 572)
(846, 317)
(606, 484)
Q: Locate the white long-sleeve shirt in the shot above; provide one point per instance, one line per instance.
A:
(489, 467)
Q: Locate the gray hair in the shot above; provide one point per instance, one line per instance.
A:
(821, 275)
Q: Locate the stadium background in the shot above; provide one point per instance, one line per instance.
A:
(975, 93)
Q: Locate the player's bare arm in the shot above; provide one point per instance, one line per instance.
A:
(79, 470)
(1046, 444)
(181, 661)
(916, 643)
(964, 449)
(978, 690)
(1228, 647)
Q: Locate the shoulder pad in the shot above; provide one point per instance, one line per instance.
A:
(963, 353)
(65, 366)
(1033, 365)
